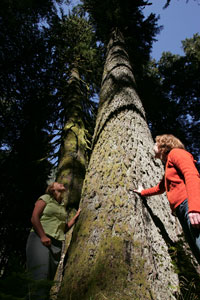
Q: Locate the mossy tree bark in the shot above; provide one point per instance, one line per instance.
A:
(120, 248)
(74, 149)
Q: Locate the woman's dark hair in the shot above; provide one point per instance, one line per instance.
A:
(50, 189)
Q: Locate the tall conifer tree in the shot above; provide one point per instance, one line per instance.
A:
(78, 55)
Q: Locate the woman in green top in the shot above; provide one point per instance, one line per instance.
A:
(44, 243)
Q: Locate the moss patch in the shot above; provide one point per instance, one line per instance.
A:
(184, 266)
(112, 273)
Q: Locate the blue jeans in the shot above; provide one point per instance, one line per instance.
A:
(192, 234)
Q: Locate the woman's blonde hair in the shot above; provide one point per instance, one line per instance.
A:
(50, 189)
(166, 143)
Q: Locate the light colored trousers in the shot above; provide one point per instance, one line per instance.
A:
(42, 262)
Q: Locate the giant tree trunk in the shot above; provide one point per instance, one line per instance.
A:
(120, 248)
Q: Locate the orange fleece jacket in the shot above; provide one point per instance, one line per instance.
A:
(181, 181)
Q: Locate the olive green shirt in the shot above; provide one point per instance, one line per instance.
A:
(53, 218)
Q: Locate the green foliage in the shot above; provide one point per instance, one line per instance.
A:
(127, 16)
(184, 266)
(76, 51)
(14, 287)
(76, 47)
(171, 97)
(18, 286)
(167, 3)
(26, 112)
(162, 114)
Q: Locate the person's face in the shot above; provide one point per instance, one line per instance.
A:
(156, 150)
(59, 187)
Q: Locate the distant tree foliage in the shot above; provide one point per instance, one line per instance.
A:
(75, 47)
(171, 97)
(168, 2)
(139, 33)
(27, 110)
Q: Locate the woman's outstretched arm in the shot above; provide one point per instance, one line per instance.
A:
(73, 220)
(156, 190)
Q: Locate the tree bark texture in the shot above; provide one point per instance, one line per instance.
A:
(120, 248)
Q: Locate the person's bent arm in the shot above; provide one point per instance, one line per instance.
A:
(73, 220)
(35, 220)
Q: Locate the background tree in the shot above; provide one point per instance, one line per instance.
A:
(79, 62)
(171, 97)
(27, 110)
(180, 81)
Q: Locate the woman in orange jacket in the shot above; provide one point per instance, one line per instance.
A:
(182, 185)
